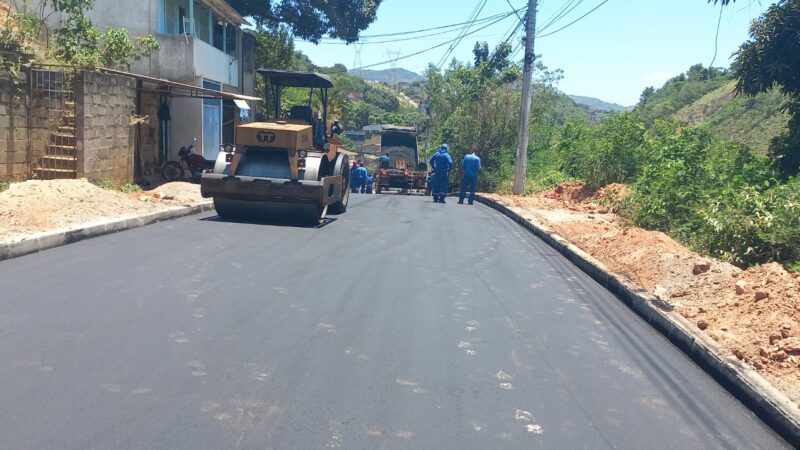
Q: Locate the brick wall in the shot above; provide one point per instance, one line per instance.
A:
(104, 136)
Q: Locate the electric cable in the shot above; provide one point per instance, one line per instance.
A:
(425, 30)
(475, 13)
(574, 21)
(436, 46)
(716, 38)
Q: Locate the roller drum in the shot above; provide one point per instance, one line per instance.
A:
(274, 164)
(273, 212)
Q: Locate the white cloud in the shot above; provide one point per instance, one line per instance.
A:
(657, 77)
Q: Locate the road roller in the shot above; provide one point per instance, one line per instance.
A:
(288, 168)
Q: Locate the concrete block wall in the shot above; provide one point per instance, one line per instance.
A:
(104, 136)
(149, 131)
(14, 159)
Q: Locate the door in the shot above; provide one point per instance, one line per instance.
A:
(212, 122)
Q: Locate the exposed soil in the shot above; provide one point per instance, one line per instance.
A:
(43, 205)
(753, 313)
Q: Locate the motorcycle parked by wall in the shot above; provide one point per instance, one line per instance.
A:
(196, 164)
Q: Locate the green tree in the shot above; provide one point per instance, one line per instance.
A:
(77, 40)
(312, 19)
(772, 57)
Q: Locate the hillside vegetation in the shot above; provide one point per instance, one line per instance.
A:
(705, 98)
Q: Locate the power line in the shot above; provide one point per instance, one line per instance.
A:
(424, 30)
(473, 16)
(558, 14)
(389, 41)
(438, 45)
(716, 38)
(574, 21)
(565, 11)
(515, 11)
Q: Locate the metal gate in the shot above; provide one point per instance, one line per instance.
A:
(52, 122)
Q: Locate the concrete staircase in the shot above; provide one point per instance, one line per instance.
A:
(60, 159)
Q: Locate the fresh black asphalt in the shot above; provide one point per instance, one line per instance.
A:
(401, 324)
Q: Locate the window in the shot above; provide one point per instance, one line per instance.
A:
(219, 33)
(230, 36)
(202, 23)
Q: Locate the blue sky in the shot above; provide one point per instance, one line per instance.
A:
(612, 54)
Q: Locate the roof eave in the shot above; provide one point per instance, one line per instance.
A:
(227, 12)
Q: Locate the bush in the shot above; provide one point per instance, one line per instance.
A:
(610, 152)
(753, 226)
(3, 185)
(127, 188)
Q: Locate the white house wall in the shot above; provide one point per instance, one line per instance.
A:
(212, 64)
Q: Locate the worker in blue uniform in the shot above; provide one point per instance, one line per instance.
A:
(441, 162)
(360, 179)
(353, 168)
(385, 162)
(370, 183)
(469, 182)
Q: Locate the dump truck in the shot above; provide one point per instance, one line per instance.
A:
(403, 171)
(287, 168)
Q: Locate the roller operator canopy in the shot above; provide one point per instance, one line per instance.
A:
(285, 78)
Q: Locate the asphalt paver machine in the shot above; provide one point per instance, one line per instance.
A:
(287, 168)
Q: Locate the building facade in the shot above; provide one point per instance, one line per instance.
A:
(201, 44)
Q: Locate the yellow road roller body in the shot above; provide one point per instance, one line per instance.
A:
(279, 170)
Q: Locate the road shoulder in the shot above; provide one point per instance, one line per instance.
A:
(758, 394)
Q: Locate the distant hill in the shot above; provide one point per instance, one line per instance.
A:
(596, 103)
(390, 76)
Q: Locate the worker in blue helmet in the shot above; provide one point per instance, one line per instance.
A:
(441, 162)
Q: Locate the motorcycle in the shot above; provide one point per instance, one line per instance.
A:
(174, 170)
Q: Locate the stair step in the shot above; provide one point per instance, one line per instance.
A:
(62, 139)
(67, 129)
(55, 174)
(69, 163)
(61, 147)
(61, 150)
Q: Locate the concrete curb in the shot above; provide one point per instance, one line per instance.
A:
(50, 239)
(771, 405)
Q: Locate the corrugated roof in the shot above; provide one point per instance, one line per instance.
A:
(296, 79)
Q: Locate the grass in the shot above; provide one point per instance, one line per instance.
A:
(127, 188)
(4, 185)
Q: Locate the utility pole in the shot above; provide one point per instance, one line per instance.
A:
(525, 113)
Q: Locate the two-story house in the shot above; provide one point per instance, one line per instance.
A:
(203, 45)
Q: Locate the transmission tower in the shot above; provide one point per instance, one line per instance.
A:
(392, 56)
(357, 60)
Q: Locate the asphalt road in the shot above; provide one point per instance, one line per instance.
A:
(403, 324)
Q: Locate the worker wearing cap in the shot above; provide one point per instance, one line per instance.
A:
(471, 165)
(441, 162)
